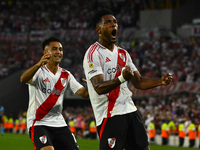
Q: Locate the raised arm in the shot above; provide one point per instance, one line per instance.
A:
(27, 76)
(102, 87)
(143, 83)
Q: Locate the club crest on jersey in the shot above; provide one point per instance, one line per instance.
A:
(63, 81)
(111, 142)
(43, 139)
(122, 56)
(91, 65)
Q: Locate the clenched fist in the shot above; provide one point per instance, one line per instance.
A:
(166, 79)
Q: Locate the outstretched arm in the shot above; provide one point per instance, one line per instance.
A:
(142, 83)
(83, 92)
(27, 76)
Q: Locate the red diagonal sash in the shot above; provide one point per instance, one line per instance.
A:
(113, 95)
(48, 104)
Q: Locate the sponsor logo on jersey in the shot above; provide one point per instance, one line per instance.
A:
(111, 142)
(63, 81)
(91, 65)
(46, 80)
(114, 70)
(92, 71)
(122, 56)
(43, 139)
(107, 59)
(54, 91)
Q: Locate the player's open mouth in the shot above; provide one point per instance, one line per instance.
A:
(114, 33)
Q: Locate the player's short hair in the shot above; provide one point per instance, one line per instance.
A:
(49, 40)
(99, 14)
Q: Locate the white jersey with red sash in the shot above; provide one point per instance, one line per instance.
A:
(100, 60)
(46, 93)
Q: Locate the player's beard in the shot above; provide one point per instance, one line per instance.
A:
(108, 38)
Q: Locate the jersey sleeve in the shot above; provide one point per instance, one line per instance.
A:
(130, 62)
(35, 77)
(74, 85)
(92, 67)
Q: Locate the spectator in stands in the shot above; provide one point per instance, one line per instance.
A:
(165, 131)
(79, 125)
(157, 121)
(17, 126)
(10, 123)
(199, 134)
(23, 124)
(192, 133)
(93, 129)
(1, 120)
(151, 131)
(72, 126)
(181, 134)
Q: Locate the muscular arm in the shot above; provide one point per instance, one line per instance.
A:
(142, 83)
(101, 86)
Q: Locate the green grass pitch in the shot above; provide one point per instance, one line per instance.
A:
(22, 142)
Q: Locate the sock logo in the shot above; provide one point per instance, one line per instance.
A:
(111, 142)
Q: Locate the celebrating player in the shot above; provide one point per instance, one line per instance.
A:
(107, 68)
(47, 84)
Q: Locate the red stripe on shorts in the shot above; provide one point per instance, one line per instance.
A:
(102, 128)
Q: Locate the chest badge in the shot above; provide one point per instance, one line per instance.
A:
(63, 81)
(122, 56)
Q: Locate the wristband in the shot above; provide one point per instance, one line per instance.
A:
(121, 79)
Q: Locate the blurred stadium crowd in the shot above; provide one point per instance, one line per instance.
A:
(152, 57)
(178, 56)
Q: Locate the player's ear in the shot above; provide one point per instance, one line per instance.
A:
(98, 30)
(44, 51)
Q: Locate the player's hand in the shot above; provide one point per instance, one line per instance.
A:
(45, 59)
(127, 73)
(84, 80)
(166, 79)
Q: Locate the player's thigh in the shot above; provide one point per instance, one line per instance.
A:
(64, 139)
(47, 148)
(40, 137)
(137, 135)
(113, 133)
